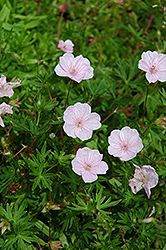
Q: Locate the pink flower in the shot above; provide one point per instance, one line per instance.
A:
(124, 143)
(88, 163)
(66, 46)
(77, 68)
(6, 87)
(155, 66)
(146, 178)
(80, 122)
(4, 108)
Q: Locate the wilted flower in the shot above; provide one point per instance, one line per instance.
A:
(77, 68)
(5, 225)
(145, 177)
(55, 245)
(80, 122)
(6, 87)
(161, 122)
(124, 143)
(5, 108)
(152, 212)
(155, 66)
(88, 163)
(66, 46)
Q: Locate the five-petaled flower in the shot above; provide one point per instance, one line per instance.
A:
(88, 163)
(154, 65)
(80, 122)
(6, 87)
(145, 177)
(66, 46)
(77, 68)
(124, 143)
(4, 108)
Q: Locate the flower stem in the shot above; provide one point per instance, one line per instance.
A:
(110, 115)
(148, 158)
(145, 104)
(59, 25)
(67, 96)
(147, 129)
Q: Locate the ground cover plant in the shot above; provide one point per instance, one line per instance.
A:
(82, 124)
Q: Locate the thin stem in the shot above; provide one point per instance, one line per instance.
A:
(48, 92)
(47, 124)
(62, 136)
(67, 95)
(59, 25)
(148, 158)
(145, 103)
(124, 239)
(147, 129)
(110, 115)
(10, 139)
(19, 151)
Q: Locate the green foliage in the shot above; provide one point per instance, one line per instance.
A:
(43, 202)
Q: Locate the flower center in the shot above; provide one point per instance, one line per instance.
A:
(79, 122)
(73, 70)
(2, 86)
(87, 166)
(124, 145)
(153, 69)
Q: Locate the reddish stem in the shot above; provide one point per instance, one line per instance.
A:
(148, 158)
(124, 239)
(19, 151)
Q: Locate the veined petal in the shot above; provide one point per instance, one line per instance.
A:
(89, 177)
(100, 168)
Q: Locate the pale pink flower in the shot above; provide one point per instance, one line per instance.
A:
(6, 87)
(77, 68)
(88, 163)
(80, 122)
(124, 143)
(66, 46)
(154, 65)
(146, 178)
(4, 108)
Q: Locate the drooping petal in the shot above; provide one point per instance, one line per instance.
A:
(135, 185)
(1, 122)
(150, 175)
(147, 190)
